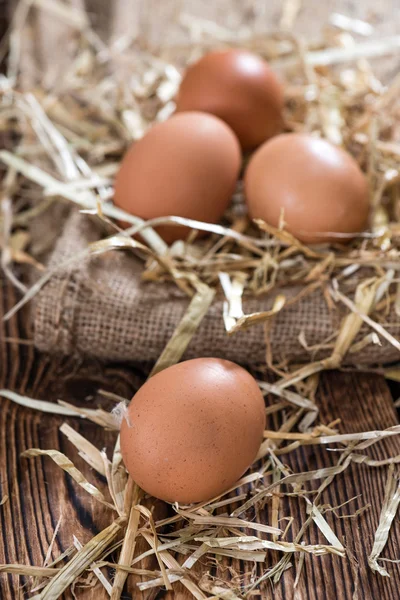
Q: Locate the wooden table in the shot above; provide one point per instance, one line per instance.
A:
(39, 494)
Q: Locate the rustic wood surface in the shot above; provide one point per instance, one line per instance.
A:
(40, 494)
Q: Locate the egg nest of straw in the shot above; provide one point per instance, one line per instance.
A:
(86, 128)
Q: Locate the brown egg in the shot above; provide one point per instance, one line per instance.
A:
(318, 187)
(240, 88)
(186, 167)
(193, 430)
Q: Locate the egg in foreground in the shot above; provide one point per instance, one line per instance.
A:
(193, 429)
(186, 166)
(240, 88)
(318, 188)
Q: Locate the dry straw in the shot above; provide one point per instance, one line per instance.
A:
(66, 145)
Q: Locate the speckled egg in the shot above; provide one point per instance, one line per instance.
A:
(193, 429)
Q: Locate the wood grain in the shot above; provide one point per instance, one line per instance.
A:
(39, 493)
(363, 402)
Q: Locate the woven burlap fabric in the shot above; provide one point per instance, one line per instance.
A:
(50, 40)
(100, 307)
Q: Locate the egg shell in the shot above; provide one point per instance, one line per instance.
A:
(239, 87)
(193, 430)
(318, 186)
(186, 166)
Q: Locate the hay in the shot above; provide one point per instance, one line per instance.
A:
(63, 145)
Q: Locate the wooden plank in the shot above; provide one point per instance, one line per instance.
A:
(39, 493)
(363, 402)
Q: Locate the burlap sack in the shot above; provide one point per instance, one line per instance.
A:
(101, 308)
(51, 36)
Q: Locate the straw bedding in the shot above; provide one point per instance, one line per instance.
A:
(100, 307)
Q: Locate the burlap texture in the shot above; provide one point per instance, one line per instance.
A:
(101, 308)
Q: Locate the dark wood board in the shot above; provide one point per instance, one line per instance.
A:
(39, 493)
